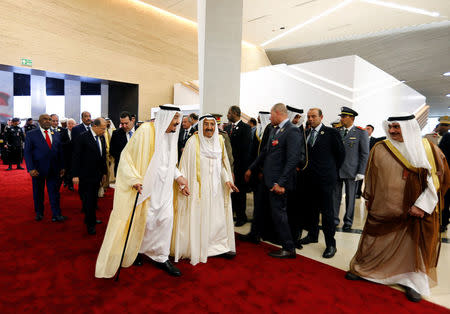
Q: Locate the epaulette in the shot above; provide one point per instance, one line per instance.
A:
(361, 128)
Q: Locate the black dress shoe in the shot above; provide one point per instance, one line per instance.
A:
(98, 222)
(308, 240)
(138, 260)
(59, 218)
(38, 217)
(91, 230)
(351, 276)
(282, 253)
(347, 227)
(71, 188)
(20, 168)
(228, 255)
(240, 222)
(249, 238)
(329, 252)
(298, 245)
(9, 168)
(412, 295)
(169, 268)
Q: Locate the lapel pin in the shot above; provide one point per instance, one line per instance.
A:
(322, 132)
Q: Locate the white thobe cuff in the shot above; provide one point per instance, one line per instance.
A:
(428, 199)
(177, 174)
(224, 175)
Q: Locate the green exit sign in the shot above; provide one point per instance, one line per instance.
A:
(27, 62)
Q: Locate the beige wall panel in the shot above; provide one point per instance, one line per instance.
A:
(119, 40)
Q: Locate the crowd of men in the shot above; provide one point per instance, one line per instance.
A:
(296, 167)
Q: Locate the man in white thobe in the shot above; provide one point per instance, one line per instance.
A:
(148, 165)
(204, 220)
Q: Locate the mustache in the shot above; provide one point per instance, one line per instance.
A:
(212, 130)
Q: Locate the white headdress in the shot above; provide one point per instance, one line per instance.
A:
(160, 172)
(412, 147)
(264, 118)
(293, 112)
(210, 148)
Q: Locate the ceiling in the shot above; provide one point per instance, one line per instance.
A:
(410, 46)
(263, 19)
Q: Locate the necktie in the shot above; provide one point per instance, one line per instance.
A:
(98, 144)
(88, 128)
(47, 139)
(185, 134)
(312, 137)
(130, 133)
(345, 132)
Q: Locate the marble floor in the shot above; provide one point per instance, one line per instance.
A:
(347, 244)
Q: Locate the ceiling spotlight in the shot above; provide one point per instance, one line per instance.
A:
(446, 74)
(448, 95)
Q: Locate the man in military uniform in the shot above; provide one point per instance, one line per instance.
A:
(356, 143)
(14, 139)
(29, 125)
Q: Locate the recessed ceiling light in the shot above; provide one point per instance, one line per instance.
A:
(311, 20)
(446, 74)
(448, 95)
(402, 7)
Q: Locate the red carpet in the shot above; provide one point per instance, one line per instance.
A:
(49, 267)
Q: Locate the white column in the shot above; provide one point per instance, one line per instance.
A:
(38, 96)
(219, 54)
(72, 92)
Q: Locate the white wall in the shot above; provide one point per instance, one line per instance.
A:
(328, 84)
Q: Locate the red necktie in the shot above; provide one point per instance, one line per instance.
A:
(47, 139)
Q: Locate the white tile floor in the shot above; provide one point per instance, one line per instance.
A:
(347, 244)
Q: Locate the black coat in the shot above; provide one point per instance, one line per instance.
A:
(77, 130)
(280, 157)
(67, 145)
(87, 163)
(325, 157)
(241, 139)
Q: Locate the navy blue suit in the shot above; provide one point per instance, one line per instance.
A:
(325, 158)
(48, 163)
(77, 130)
(279, 159)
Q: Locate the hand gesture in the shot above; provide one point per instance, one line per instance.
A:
(416, 212)
(278, 189)
(247, 175)
(231, 186)
(138, 187)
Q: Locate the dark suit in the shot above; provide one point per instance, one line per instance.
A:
(296, 198)
(48, 162)
(182, 139)
(241, 138)
(262, 224)
(89, 166)
(118, 142)
(77, 130)
(278, 160)
(68, 150)
(325, 157)
(193, 129)
(444, 145)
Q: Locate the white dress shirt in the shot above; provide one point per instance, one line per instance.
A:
(99, 141)
(49, 132)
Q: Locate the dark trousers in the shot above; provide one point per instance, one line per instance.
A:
(350, 195)
(52, 183)
(320, 201)
(89, 195)
(15, 156)
(262, 224)
(239, 200)
(278, 204)
(295, 207)
(446, 211)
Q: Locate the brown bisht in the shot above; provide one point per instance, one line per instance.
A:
(393, 242)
